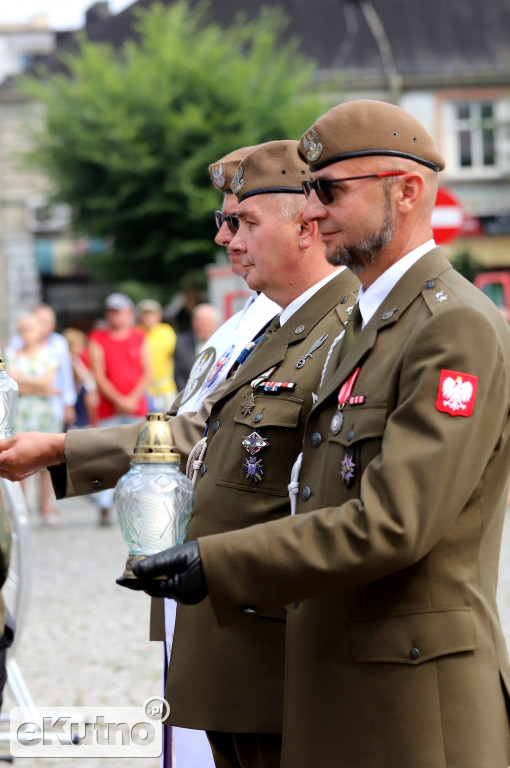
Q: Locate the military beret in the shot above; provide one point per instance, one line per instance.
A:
(361, 128)
(222, 171)
(271, 167)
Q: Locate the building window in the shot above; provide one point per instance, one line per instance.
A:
(476, 129)
(25, 60)
(476, 137)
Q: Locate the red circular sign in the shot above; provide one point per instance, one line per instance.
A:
(447, 216)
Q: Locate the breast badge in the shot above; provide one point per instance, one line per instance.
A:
(320, 341)
(347, 467)
(253, 444)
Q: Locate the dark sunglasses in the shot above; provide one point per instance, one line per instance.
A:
(324, 187)
(232, 221)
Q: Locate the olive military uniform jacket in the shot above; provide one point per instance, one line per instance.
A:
(231, 679)
(97, 458)
(395, 654)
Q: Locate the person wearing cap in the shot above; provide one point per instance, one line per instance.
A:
(120, 363)
(230, 681)
(83, 463)
(161, 339)
(395, 654)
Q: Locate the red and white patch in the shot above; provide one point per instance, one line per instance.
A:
(457, 392)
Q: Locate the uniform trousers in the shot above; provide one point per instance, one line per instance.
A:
(245, 750)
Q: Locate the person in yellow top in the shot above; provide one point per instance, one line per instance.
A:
(161, 340)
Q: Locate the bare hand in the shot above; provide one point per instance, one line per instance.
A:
(29, 452)
(127, 404)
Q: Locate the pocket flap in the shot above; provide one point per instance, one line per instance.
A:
(361, 422)
(271, 410)
(413, 638)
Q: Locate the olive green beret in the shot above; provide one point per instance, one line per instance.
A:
(222, 171)
(271, 167)
(361, 128)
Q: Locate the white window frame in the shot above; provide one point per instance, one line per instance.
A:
(452, 125)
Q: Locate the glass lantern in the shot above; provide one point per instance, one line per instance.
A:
(153, 499)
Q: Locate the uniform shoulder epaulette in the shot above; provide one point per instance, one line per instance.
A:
(439, 296)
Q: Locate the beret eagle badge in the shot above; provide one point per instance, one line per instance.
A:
(237, 181)
(312, 145)
(218, 175)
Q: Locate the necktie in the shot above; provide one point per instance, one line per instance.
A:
(273, 326)
(261, 339)
(352, 330)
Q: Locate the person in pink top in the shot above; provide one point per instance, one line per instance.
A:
(120, 363)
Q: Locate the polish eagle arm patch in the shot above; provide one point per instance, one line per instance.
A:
(456, 393)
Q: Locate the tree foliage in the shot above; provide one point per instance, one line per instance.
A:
(467, 264)
(129, 135)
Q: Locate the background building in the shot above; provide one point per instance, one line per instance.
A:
(446, 63)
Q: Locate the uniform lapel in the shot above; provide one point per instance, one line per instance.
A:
(340, 292)
(428, 267)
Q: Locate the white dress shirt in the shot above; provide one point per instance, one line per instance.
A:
(370, 299)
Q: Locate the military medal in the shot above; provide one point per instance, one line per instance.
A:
(344, 396)
(336, 422)
(249, 399)
(347, 467)
(248, 404)
(279, 386)
(254, 443)
(253, 469)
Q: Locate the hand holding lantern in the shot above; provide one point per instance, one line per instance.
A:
(153, 499)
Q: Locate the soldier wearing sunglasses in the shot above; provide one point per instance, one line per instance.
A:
(395, 654)
(231, 681)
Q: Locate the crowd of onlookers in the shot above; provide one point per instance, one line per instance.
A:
(129, 364)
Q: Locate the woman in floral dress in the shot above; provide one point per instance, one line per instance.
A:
(34, 367)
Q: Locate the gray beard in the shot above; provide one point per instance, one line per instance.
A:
(358, 256)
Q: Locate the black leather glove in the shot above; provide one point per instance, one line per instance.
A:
(182, 568)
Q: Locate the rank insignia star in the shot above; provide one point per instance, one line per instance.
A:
(441, 296)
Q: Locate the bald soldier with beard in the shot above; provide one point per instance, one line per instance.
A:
(395, 654)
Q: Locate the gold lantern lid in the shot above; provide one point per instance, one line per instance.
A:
(155, 442)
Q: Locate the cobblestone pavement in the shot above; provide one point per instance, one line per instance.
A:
(85, 640)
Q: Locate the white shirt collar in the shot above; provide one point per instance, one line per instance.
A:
(372, 298)
(293, 307)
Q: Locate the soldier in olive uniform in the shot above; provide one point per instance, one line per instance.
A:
(230, 681)
(82, 462)
(395, 654)
(248, 463)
